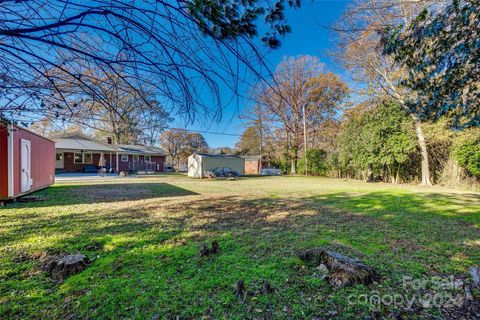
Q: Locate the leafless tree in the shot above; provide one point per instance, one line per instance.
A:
(128, 115)
(186, 50)
(257, 123)
(301, 83)
(179, 144)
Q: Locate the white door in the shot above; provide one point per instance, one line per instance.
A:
(25, 160)
(59, 160)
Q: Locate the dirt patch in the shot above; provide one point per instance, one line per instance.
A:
(114, 192)
(93, 246)
(404, 244)
(219, 213)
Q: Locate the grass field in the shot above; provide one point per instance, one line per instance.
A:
(143, 235)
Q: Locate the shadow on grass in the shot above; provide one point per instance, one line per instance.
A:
(416, 218)
(146, 255)
(104, 192)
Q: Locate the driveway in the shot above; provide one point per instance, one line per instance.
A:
(85, 177)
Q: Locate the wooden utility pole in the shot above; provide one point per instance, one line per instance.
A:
(261, 138)
(305, 140)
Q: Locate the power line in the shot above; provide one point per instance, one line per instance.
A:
(209, 132)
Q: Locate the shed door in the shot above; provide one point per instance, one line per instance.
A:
(25, 159)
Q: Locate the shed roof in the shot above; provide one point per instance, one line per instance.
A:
(6, 123)
(252, 158)
(208, 155)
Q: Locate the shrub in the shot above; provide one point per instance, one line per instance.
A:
(466, 151)
(316, 162)
(378, 141)
(439, 137)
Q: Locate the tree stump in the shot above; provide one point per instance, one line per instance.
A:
(342, 270)
(60, 267)
(240, 290)
(266, 287)
(206, 251)
(215, 247)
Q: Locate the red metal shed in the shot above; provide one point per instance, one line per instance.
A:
(27, 161)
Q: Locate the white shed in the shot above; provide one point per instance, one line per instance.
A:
(199, 163)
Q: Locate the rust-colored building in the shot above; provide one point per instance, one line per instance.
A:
(77, 152)
(252, 164)
(26, 161)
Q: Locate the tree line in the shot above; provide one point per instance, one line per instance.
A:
(122, 68)
(415, 115)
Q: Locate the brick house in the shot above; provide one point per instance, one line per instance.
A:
(77, 152)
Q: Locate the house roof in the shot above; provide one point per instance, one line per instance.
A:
(141, 149)
(80, 141)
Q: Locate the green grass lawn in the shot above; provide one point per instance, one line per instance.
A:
(143, 235)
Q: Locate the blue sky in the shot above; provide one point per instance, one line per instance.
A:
(307, 37)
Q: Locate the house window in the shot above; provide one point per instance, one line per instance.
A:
(136, 158)
(87, 158)
(148, 158)
(77, 158)
(59, 156)
(124, 158)
(82, 157)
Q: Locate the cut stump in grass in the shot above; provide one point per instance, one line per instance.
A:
(266, 287)
(60, 267)
(215, 247)
(342, 270)
(240, 290)
(205, 251)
